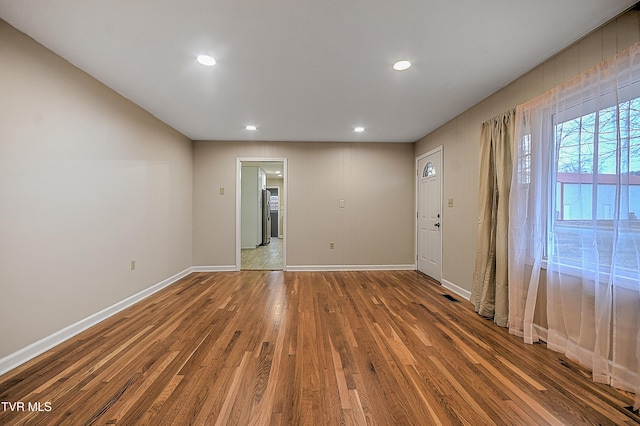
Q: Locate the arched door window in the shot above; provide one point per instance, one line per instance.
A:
(429, 170)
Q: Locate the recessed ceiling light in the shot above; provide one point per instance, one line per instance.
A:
(206, 60)
(358, 129)
(401, 65)
(251, 127)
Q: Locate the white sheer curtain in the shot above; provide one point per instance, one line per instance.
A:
(574, 219)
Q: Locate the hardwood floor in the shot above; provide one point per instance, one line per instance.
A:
(285, 348)
(267, 257)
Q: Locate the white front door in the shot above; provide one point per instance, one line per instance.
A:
(429, 201)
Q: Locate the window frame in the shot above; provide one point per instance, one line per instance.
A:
(575, 108)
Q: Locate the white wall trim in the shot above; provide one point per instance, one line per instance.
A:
(23, 355)
(456, 289)
(220, 268)
(315, 268)
(543, 333)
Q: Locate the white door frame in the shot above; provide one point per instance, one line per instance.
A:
(417, 185)
(239, 161)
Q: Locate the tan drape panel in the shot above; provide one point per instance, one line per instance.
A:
(490, 291)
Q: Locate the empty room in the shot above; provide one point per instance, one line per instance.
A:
(283, 213)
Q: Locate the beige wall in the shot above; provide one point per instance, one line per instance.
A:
(376, 180)
(88, 182)
(460, 137)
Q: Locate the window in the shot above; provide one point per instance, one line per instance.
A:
(273, 202)
(596, 185)
(573, 214)
(524, 160)
(429, 170)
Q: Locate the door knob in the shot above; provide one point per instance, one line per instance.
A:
(437, 225)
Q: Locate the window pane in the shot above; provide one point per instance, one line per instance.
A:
(524, 160)
(575, 140)
(597, 185)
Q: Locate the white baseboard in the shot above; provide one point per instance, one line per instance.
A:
(327, 268)
(456, 289)
(221, 268)
(543, 333)
(25, 354)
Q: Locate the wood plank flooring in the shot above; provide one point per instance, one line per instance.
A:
(296, 348)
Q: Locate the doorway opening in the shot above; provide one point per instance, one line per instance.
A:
(261, 188)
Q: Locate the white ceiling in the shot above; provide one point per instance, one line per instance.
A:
(304, 70)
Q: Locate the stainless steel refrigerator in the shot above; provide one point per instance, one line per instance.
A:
(266, 217)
